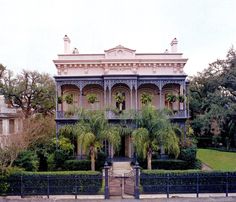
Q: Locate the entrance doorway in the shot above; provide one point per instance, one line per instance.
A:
(121, 151)
(125, 148)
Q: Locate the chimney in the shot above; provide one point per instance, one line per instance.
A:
(173, 44)
(66, 45)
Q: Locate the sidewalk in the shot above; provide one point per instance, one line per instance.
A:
(148, 198)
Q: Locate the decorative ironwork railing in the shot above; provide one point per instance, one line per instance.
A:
(182, 183)
(124, 115)
(52, 184)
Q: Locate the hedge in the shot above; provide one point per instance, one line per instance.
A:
(77, 165)
(189, 155)
(53, 183)
(187, 182)
(169, 164)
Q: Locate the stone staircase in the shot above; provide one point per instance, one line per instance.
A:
(119, 168)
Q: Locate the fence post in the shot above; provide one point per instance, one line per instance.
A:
(21, 186)
(167, 185)
(76, 189)
(227, 185)
(106, 167)
(197, 185)
(48, 190)
(136, 186)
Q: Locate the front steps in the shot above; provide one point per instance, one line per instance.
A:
(120, 168)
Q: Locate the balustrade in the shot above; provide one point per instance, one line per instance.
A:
(115, 115)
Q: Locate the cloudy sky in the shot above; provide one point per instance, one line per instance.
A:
(31, 31)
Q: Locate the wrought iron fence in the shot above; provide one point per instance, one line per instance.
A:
(194, 183)
(27, 185)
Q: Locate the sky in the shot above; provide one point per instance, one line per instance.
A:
(32, 31)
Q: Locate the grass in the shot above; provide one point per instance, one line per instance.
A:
(218, 160)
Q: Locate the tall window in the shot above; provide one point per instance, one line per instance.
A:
(1, 127)
(11, 126)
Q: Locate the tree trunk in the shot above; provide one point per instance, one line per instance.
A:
(92, 159)
(149, 159)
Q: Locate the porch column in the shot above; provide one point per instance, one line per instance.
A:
(160, 97)
(80, 98)
(131, 98)
(181, 93)
(184, 93)
(105, 97)
(110, 100)
(136, 98)
(58, 94)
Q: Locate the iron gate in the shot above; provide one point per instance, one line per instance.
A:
(115, 185)
(129, 183)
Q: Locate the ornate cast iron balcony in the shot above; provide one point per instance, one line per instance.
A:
(115, 115)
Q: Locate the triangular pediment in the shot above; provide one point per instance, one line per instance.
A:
(119, 52)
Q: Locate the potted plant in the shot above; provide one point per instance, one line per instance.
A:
(146, 98)
(181, 99)
(171, 97)
(92, 98)
(120, 98)
(69, 98)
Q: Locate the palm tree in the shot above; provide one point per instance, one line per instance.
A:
(154, 131)
(92, 130)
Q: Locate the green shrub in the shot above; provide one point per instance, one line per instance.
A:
(77, 165)
(4, 185)
(197, 164)
(169, 164)
(189, 155)
(27, 160)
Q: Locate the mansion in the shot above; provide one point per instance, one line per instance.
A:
(120, 70)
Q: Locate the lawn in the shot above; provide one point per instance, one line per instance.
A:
(218, 160)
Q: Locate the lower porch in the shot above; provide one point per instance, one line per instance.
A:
(125, 152)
